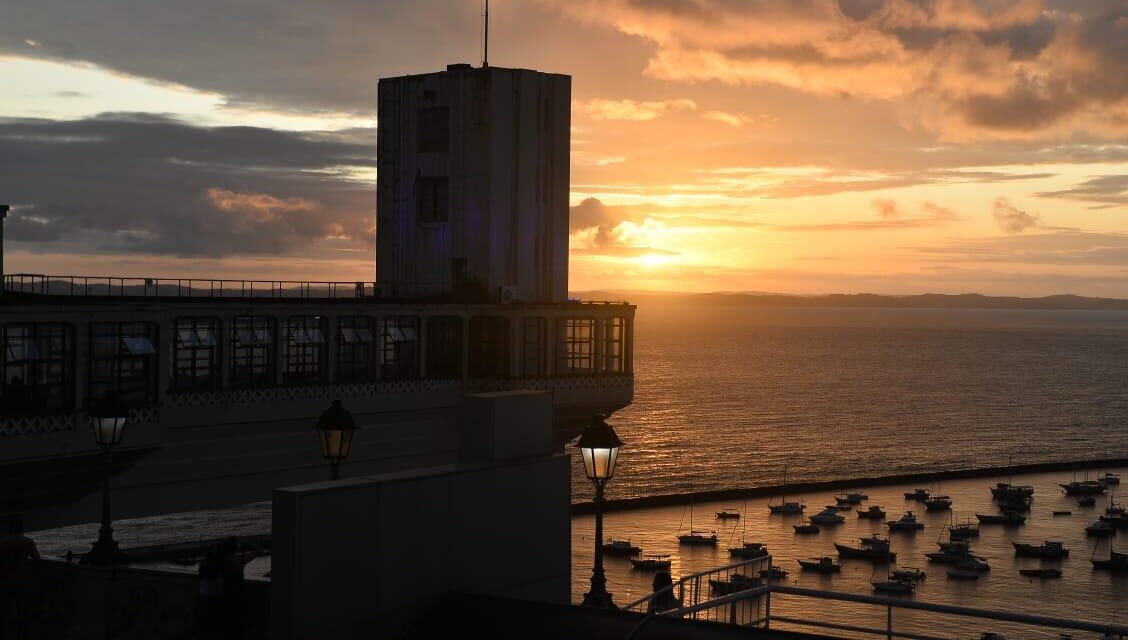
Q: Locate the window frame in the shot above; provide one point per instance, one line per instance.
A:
(304, 350)
(356, 359)
(51, 369)
(194, 353)
(570, 349)
(489, 347)
(131, 360)
(250, 351)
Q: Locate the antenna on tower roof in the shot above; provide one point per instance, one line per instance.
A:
(486, 36)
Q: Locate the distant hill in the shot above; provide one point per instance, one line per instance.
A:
(867, 300)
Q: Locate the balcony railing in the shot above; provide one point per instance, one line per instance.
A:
(753, 607)
(115, 286)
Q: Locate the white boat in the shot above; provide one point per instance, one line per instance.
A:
(906, 522)
(620, 548)
(728, 514)
(907, 573)
(652, 562)
(829, 515)
(695, 537)
(785, 507)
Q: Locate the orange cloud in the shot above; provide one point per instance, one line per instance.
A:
(602, 109)
(261, 205)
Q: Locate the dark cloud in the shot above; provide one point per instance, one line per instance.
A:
(144, 184)
(886, 209)
(1108, 191)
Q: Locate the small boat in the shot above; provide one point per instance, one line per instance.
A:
(828, 515)
(907, 573)
(1047, 549)
(1041, 573)
(1100, 529)
(1007, 518)
(874, 512)
(1015, 503)
(736, 582)
(773, 572)
(620, 548)
(652, 562)
(1117, 562)
(1117, 521)
(1006, 490)
(906, 522)
(962, 574)
(851, 498)
(874, 549)
(1083, 488)
(822, 565)
(949, 555)
(1109, 479)
(1114, 509)
(749, 550)
(728, 514)
(971, 563)
(920, 495)
(700, 538)
(963, 531)
(806, 527)
(1086, 501)
(1063, 513)
(894, 586)
(785, 507)
(938, 503)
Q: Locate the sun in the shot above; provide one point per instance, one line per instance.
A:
(653, 260)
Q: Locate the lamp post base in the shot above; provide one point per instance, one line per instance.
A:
(104, 553)
(601, 600)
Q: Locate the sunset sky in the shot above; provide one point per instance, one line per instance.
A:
(887, 146)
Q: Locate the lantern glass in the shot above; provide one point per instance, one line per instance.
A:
(336, 443)
(599, 462)
(108, 430)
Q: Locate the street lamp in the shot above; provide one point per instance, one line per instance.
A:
(335, 429)
(599, 446)
(107, 419)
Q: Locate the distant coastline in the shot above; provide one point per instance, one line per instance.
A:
(1063, 302)
(794, 489)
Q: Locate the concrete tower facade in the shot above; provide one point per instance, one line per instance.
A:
(473, 179)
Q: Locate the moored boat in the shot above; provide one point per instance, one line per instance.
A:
(907, 573)
(806, 527)
(620, 548)
(1117, 562)
(874, 512)
(1006, 490)
(1114, 509)
(828, 515)
(894, 586)
(1048, 549)
(1041, 573)
(1109, 479)
(874, 550)
(824, 564)
(1007, 518)
(785, 507)
(773, 572)
(728, 514)
(851, 498)
(652, 562)
(1117, 521)
(938, 503)
(962, 574)
(1086, 501)
(963, 531)
(700, 538)
(736, 582)
(906, 522)
(920, 495)
(1100, 529)
(1083, 488)
(1015, 503)
(749, 550)
(1063, 513)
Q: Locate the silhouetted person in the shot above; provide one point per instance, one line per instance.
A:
(233, 559)
(17, 553)
(664, 598)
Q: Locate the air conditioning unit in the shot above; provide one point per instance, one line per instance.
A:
(507, 294)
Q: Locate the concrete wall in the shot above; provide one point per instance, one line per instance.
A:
(508, 170)
(363, 557)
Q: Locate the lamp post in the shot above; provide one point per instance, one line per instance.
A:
(599, 446)
(107, 419)
(335, 429)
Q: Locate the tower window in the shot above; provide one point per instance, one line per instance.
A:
(432, 200)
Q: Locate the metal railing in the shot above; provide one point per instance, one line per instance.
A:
(116, 286)
(695, 590)
(722, 608)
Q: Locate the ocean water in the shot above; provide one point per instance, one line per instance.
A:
(725, 396)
